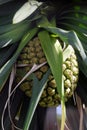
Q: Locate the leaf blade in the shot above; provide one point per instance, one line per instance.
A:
(35, 98)
(5, 68)
(70, 37)
(53, 53)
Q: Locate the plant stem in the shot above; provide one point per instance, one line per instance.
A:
(63, 116)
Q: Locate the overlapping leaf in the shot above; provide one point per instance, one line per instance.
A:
(53, 52)
(7, 66)
(36, 93)
(11, 37)
(76, 19)
(70, 37)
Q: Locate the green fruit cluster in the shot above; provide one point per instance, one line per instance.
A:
(33, 54)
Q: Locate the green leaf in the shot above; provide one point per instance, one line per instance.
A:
(4, 78)
(5, 68)
(70, 37)
(76, 28)
(74, 20)
(83, 39)
(37, 90)
(10, 27)
(11, 37)
(6, 53)
(54, 55)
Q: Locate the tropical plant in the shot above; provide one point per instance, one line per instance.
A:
(61, 29)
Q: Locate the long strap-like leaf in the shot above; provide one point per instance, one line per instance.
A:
(7, 67)
(38, 87)
(54, 55)
(71, 37)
